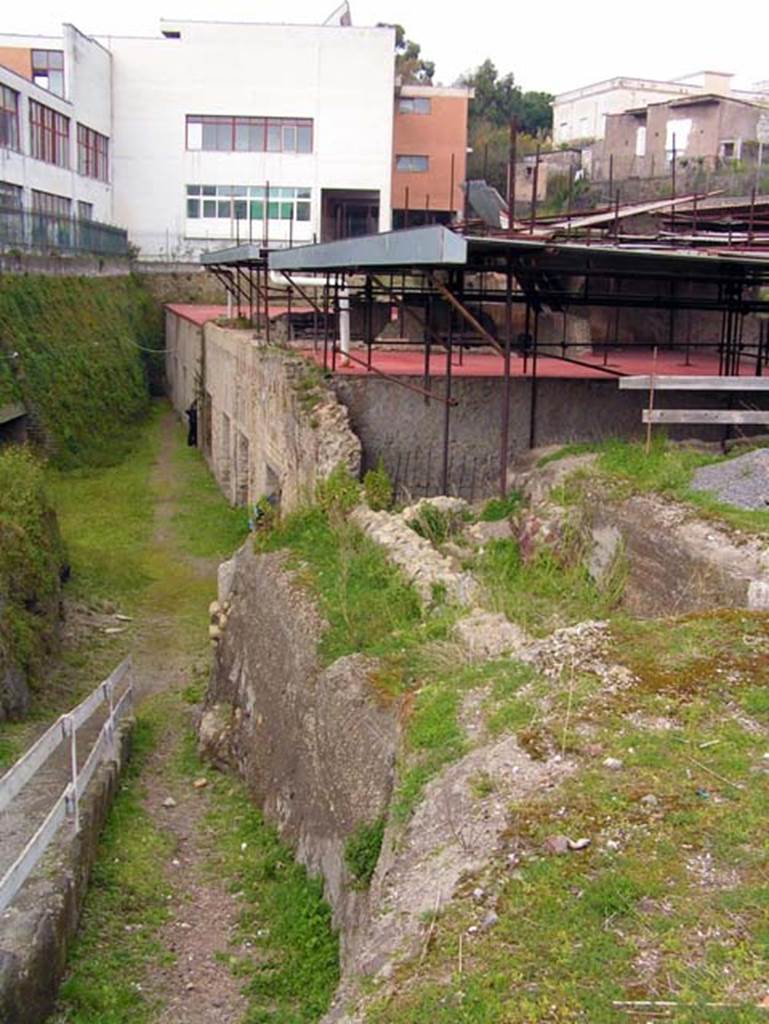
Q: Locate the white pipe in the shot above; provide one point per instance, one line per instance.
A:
(344, 325)
(303, 281)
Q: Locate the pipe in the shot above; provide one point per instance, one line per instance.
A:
(344, 324)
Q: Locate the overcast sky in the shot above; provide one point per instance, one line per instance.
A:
(553, 45)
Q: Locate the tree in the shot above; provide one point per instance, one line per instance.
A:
(497, 100)
(410, 66)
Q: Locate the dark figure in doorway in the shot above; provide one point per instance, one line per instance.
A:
(192, 429)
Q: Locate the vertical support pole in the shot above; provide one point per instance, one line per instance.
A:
(673, 186)
(534, 187)
(511, 165)
(570, 199)
(611, 176)
(289, 331)
(267, 215)
(266, 299)
(74, 802)
(334, 338)
(447, 404)
(325, 323)
(504, 439)
(406, 207)
(427, 340)
(534, 383)
(751, 218)
(452, 184)
(369, 319)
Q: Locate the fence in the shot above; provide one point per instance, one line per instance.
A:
(67, 805)
(46, 232)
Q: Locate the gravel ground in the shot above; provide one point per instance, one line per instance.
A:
(743, 481)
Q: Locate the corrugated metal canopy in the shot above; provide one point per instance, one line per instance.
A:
(432, 246)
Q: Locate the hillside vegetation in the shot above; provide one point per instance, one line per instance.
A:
(73, 351)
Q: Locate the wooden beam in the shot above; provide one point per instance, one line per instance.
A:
(664, 382)
(719, 416)
(465, 313)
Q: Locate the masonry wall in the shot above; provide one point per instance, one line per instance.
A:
(267, 424)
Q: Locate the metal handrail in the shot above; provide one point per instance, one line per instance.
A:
(67, 804)
(23, 228)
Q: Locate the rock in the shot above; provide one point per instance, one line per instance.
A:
(114, 630)
(123, 618)
(478, 895)
(200, 783)
(607, 544)
(169, 802)
(213, 610)
(215, 731)
(489, 920)
(579, 844)
(556, 844)
(613, 764)
(482, 533)
(214, 633)
(225, 577)
(650, 800)
(488, 635)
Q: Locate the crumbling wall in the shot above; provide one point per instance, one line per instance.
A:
(268, 424)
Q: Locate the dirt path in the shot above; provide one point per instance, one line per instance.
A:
(197, 987)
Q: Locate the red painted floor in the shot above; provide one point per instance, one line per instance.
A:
(202, 314)
(411, 363)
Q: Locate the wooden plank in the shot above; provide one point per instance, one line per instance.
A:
(724, 416)
(669, 382)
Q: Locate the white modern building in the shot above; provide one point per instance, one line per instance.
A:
(55, 131)
(275, 132)
(580, 114)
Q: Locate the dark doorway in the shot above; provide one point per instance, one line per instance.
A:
(349, 213)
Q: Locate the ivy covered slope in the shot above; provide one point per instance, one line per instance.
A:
(31, 557)
(73, 350)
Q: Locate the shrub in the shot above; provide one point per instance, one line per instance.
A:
(339, 493)
(378, 488)
(496, 509)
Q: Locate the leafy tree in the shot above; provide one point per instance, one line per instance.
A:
(409, 64)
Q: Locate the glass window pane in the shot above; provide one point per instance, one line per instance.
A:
(224, 137)
(303, 193)
(289, 138)
(273, 138)
(302, 211)
(193, 207)
(224, 208)
(286, 211)
(193, 190)
(209, 208)
(304, 139)
(241, 209)
(209, 190)
(274, 211)
(225, 190)
(257, 210)
(256, 190)
(242, 136)
(209, 136)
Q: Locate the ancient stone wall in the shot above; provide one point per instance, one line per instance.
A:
(267, 423)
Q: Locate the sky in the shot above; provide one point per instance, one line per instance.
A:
(552, 46)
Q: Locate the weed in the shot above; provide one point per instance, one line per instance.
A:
(339, 493)
(378, 488)
(497, 509)
(362, 849)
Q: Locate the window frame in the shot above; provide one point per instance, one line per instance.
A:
(49, 133)
(400, 157)
(420, 105)
(286, 203)
(262, 134)
(92, 153)
(45, 65)
(10, 136)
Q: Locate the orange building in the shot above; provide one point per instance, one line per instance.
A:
(429, 154)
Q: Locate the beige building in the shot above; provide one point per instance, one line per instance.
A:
(580, 114)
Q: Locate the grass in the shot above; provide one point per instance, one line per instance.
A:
(126, 904)
(670, 900)
(293, 970)
(368, 605)
(624, 468)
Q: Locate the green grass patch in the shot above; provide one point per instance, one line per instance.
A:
(205, 525)
(362, 849)
(367, 603)
(497, 509)
(125, 906)
(293, 970)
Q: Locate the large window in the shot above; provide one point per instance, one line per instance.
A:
(47, 202)
(247, 202)
(412, 163)
(48, 70)
(10, 196)
(250, 134)
(9, 118)
(49, 132)
(92, 153)
(414, 105)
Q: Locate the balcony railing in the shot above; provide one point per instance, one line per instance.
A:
(50, 232)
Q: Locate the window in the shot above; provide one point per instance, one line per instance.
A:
(92, 153)
(250, 134)
(9, 118)
(48, 70)
(412, 163)
(47, 202)
(49, 131)
(10, 196)
(247, 202)
(84, 210)
(414, 105)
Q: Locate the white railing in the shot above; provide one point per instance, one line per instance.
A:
(67, 804)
